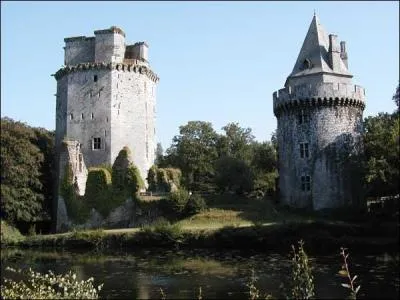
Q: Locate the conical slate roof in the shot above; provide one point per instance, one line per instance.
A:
(313, 56)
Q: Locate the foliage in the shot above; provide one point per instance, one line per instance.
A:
(345, 272)
(396, 97)
(195, 152)
(134, 182)
(159, 154)
(165, 231)
(195, 204)
(177, 200)
(9, 234)
(302, 279)
(234, 175)
(22, 164)
(49, 286)
(168, 179)
(152, 178)
(77, 207)
(98, 190)
(126, 177)
(236, 142)
(381, 143)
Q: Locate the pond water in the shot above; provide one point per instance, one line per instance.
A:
(220, 274)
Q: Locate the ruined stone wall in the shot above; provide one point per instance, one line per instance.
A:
(69, 154)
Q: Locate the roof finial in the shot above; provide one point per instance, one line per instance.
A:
(314, 12)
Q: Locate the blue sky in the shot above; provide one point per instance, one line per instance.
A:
(217, 61)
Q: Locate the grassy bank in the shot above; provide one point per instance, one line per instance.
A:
(233, 222)
(319, 236)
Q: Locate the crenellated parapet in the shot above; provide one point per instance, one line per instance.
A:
(132, 65)
(322, 94)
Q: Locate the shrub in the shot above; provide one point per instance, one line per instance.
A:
(152, 178)
(302, 278)
(49, 286)
(167, 231)
(195, 204)
(9, 234)
(98, 190)
(134, 182)
(126, 177)
(177, 200)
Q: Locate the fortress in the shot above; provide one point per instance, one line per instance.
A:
(319, 113)
(106, 100)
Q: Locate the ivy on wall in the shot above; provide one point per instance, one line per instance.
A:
(106, 188)
(163, 179)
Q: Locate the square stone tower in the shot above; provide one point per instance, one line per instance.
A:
(106, 99)
(319, 113)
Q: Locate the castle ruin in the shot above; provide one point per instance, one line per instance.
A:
(319, 113)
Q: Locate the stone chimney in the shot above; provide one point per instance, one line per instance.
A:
(343, 53)
(334, 53)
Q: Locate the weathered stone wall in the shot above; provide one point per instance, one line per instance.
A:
(79, 50)
(331, 133)
(70, 154)
(103, 92)
(133, 117)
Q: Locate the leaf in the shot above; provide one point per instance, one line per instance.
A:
(346, 285)
(354, 278)
(343, 273)
(357, 289)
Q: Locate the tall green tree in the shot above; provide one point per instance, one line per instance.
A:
(236, 142)
(159, 154)
(22, 167)
(381, 143)
(195, 148)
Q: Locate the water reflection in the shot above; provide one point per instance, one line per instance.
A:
(220, 274)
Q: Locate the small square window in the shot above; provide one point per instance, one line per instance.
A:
(96, 143)
(95, 78)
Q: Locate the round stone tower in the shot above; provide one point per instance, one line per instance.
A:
(319, 113)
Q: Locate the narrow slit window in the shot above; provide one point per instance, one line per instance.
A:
(304, 151)
(305, 183)
(95, 78)
(303, 117)
(96, 143)
(71, 116)
(92, 116)
(82, 116)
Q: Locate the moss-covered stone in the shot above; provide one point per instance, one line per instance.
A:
(77, 207)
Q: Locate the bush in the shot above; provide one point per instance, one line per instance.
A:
(98, 187)
(49, 286)
(177, 201)
(195, 204)
(9, 234)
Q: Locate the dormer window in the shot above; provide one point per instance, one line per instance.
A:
(306, 64)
